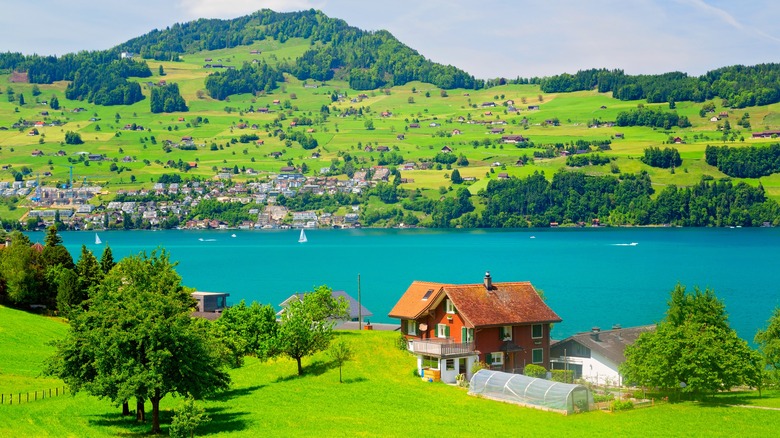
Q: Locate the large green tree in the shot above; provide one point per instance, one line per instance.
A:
(138, 340)
(307, 324)
(24, 272)
(768, 340)
(248, 330)
(693, 350)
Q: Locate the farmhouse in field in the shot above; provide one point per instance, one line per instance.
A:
(596, 355)
(451, 326)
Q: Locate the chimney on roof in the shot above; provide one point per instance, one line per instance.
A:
(488, 281)
(594, 333)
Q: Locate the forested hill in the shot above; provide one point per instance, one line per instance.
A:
(739, 86)
(369, 59)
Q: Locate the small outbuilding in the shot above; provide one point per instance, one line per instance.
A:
(533, 392)
(210, 304)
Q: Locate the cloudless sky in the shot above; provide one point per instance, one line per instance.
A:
(487, 38)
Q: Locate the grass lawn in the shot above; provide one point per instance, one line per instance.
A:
(379, 397)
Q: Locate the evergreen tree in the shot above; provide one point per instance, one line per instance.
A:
(89, 271)
(107, 260)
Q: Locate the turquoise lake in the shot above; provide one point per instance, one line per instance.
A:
(590, 277)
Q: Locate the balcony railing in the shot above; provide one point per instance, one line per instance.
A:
(441, 347)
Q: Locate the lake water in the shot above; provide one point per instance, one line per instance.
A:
(591, 277)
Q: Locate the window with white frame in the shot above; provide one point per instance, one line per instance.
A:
(537, 355)
(536, 331)
(449, 306)
(466, 334)
(442, 331)
(497, 358)
(450, 365)
(411, 327)
(506, 333)
(430, 362)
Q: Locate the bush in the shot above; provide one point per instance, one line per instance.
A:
(598, 398)
(537, 371)
(620, 405)
(563, 376)
(479, 366)
(187, 418)
(401, 342)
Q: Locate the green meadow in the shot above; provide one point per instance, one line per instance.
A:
(379, 397)
(101, 129)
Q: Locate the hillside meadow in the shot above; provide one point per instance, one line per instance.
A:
(379, 397)
(352, 123)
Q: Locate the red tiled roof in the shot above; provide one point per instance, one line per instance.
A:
(504, 304)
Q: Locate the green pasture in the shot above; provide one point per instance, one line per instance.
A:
(406, 104)
(379, 397)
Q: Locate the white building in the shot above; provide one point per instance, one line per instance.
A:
(596, 355)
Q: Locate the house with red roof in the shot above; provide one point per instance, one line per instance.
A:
(449, 327)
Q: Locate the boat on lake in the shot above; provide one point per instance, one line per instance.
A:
(302, 238)
(97, 240)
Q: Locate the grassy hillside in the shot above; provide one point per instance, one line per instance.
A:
(412, 103)
(379, 397)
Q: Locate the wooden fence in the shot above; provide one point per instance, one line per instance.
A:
(27, 397)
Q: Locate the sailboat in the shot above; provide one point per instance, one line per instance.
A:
(97, 240)
(302, 238)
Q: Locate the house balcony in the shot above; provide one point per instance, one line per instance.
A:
(441, 347)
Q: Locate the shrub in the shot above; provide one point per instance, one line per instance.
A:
(400, 342)
(598, 398)
(537, 371)
(479, 366)
(564, 376)
(620, 405)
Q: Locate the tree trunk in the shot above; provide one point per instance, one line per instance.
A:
(125, 408)
(340, 374)
(300, 368)
(140, 412)
(156, 412)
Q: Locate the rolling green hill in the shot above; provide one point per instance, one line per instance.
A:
(342, 119)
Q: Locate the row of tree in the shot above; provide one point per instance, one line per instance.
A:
(745, 162)
(46, 274)
(739, 86)
(573, 197)
(663, 158)
(653, 117)
(247, 79)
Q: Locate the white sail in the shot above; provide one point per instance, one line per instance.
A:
(97, 240)
(303, 238)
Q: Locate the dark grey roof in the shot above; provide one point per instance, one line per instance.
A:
(610, 343)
